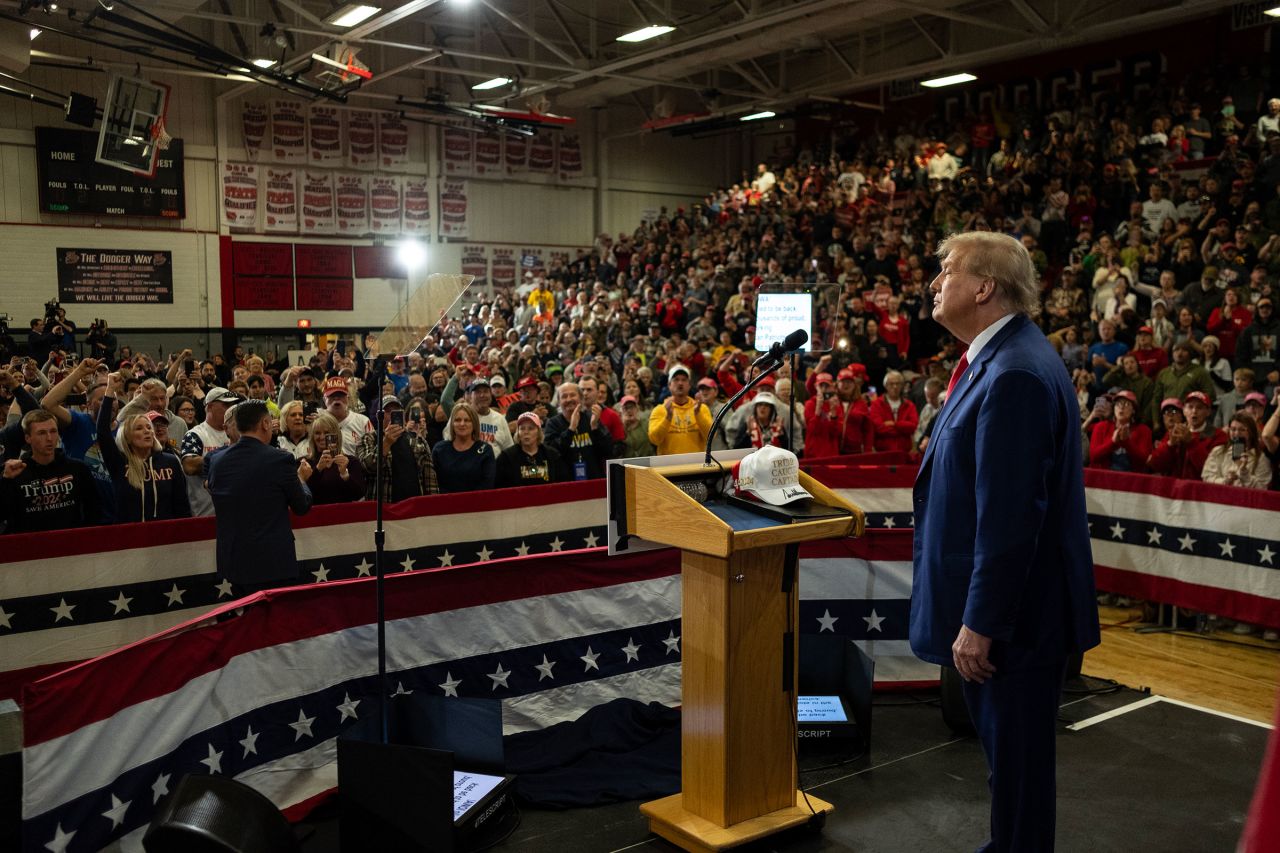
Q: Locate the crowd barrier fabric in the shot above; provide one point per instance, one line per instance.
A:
(262, 696)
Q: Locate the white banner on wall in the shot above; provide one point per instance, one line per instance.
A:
(384, 204)
(475, 262)
(504, 266)
(288, 131)
(324, 135)
(319, 215)
(417, 205)
(239, 195)
(516, 154)
(542, 154)
(352, 195)
(254, 122)
(362, 139)
(488, 148)
(393, 141)
(457, 151)
(453, 209)
(570, 157)
(280, 189)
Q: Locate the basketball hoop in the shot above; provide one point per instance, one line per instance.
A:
(159, 135)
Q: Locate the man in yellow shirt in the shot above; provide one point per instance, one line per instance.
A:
(681, 424)
(543, 302)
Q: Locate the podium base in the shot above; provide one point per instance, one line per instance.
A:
(669, 819)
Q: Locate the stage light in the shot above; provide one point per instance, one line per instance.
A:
(1274, 13)
(264, 63)
(35, 31)
(495, 83)
(759, 115)
(645, 33)
(352, 14)
(951, 80)
(411, 254)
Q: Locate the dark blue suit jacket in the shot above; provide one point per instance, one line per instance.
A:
(1001, 536)
(254, 486)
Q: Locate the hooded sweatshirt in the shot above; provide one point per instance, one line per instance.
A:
(164, 489)
(56, 496)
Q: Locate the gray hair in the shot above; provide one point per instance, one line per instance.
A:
(1003, 259)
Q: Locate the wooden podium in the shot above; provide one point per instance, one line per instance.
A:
(738, 773)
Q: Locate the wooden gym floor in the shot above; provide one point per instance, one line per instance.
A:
(1222, 671)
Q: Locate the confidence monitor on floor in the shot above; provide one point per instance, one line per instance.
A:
(835, 682)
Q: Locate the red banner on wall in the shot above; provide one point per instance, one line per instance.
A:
(376, 262)
(262, 258)
(322, 261)
(325, 294)
(264, 293)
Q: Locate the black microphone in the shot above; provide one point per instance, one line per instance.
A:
(790, 344)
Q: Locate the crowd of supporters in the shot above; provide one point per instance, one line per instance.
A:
(1154, 223)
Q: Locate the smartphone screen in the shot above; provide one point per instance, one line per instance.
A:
(397, 416)
(76, 399)
(189, 366)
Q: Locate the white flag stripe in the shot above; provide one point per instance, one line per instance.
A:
(823, 578)
(1193, 514)
(879, 499)
(1221, 574)
(538, 710)
(33, 648)
(109, 569)
(278, 673)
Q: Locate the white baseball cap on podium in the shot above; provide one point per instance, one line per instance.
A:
(770, 475)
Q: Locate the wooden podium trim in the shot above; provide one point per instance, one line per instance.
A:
(668, 819)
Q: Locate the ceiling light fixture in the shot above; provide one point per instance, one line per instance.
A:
(951, 80)
(495, 83)
(35, 31)
(759, 115)
(645, 33)
(264, 63)
(351, 14)
(1274, 13)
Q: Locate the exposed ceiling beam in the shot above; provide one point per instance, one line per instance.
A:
(929, 38)
(527, 30)
(302, 12)
(961, 18)
(1034, 18)
(564, 27)
(853, 72)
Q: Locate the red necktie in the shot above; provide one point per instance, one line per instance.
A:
(957, 373)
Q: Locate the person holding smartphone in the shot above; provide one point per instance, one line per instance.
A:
(408, 469)
(1241, 461)
(336, 477)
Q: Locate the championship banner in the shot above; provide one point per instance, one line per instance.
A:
(488, 154)
(475, 262)
(240, 195)
(319, 211)
(417, 205)
(516, 154)
(362, 139)
(456, 151)
(352, 196)
(504, 267)
(385, 207)
(542, 154)
(453, 209)
(393, 141)
(254, 122)
(570, 157)
(531, 259)
(280, 188)
(288, 131)
(324, 135)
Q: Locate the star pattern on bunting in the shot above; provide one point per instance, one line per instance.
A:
(446, 559)
(160, 787)
(556, 544)
(499, 677)
(1153, 536)
(1186, 543)
(321, 574)
(1228, 550)
(873, 621)
(672, 642)
(484, 554)
(302, 726)
(63, 611)
(450, 686)
(544, 668)
(631, 650)
(827, 622)
(363, 567)
(1117, 531)
(224, 588)
(174, 595)
(213, 760)
(591, 539)
(1265, 554)
(400, 691)
(888, 522)
(250, 742)
(60, 840)
(120, 603)
(589, 660)
(115, 814)
(348, 708)
(407, 563)
(6, 618)
(522, 550)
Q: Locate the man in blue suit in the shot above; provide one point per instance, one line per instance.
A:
(254, 485)
(1003, 586)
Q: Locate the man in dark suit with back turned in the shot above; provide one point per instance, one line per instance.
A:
(254, 485)
(1003, 585)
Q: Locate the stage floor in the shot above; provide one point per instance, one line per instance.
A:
(1139, 771)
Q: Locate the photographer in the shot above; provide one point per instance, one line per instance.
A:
(101, 341)
(336, 477)
(408, 469)
(1241, 461)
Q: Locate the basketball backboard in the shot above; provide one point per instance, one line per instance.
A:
(132, 121)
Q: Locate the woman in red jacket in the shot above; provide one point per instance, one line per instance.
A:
(1228, 321)
(894, 417)
(1120, 443)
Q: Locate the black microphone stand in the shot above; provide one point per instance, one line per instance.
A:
(379, 374)
(791, 404)
(728, 407)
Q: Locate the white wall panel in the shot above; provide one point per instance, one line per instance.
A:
(511, 212)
